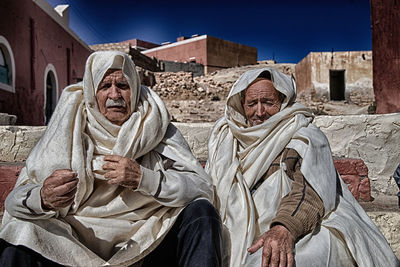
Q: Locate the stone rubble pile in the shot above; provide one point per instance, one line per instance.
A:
(214, 86)
(182, 86)
(191, 100)
(202, 99)
(357, 104)
(362, 96)
(195, 111)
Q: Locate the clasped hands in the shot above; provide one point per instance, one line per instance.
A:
(277, 244)
(58, 190)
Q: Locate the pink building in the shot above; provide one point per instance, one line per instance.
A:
(213, 53)
(39, 56)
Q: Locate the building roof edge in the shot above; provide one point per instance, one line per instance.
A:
(49, 10)
(175, 44)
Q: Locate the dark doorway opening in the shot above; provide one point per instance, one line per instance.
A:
(51, 95)
(337, 84)
(4, 73)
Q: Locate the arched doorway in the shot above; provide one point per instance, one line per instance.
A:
(51, 95)
(7, 66)
(4, 72)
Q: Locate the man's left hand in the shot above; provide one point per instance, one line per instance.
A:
(277, 246)
(122, 171)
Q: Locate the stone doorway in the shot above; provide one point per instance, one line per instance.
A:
(51, 96)
(337, 84)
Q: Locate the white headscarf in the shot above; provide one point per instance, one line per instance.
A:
(240, 155)
(84, 124)
(268, 138)
(149, 113)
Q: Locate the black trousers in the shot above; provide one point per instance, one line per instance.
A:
(194, 240)
(16, 256)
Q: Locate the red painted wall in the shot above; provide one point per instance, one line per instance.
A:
(50, 42)
(385, 17)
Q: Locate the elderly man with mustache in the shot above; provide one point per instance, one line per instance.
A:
(111, 182)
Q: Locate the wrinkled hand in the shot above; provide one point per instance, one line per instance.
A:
(122, 171)
(278, 246)
(59, 189)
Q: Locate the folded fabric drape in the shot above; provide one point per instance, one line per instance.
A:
(106, 224)
(240, 155)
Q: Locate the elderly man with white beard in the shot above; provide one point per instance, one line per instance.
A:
(278, 193)
(111, 182)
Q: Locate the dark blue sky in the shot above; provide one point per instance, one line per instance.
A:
(286, 30)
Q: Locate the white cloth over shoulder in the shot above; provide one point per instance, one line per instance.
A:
(106, 224)
(240, 155)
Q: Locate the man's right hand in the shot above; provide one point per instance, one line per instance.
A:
(59, 189)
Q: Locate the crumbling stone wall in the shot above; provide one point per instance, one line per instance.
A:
(313, 74)
(181, 86)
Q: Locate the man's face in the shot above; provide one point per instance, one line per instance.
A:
(261, 101)
(114, 97)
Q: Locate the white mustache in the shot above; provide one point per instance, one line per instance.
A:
(120, 102)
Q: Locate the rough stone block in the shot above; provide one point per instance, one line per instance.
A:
(365, 190)
(372, 138)
(18, 141)
(351, 167)
(361, 168)
(354, 173)
(196, 134)
(8, 177)
(345, 167)
(353, 182)
(7, 119)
